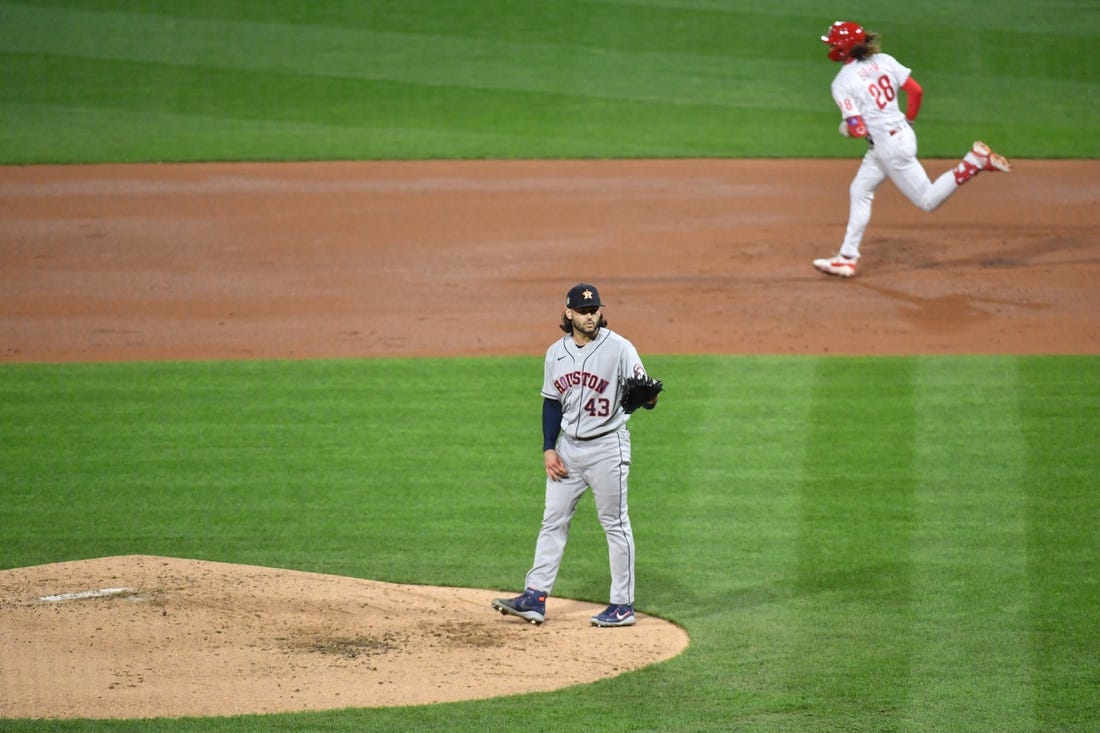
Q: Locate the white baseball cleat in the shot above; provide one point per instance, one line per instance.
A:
(838, 265)
(990, 161)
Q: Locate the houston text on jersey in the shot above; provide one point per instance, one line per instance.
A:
(572, 379)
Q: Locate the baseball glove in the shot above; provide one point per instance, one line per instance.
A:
(639, 391)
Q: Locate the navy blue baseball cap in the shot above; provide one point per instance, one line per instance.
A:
(582, 295)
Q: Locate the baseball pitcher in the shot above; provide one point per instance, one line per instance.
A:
(593, 380)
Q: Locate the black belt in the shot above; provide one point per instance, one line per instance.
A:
(601, 435)
(871, 142)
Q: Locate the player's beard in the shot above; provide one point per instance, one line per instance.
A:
(586, 326)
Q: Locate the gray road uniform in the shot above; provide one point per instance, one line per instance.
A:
(594, 444)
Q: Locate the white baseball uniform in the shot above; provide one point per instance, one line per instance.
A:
(594, 444)
(870, 88)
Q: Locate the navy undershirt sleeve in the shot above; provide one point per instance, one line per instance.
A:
(551, 423)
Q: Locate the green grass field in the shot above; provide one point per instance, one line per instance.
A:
(900, 544)
(853, 544)
(114, 80)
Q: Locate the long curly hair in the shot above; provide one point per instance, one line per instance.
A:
(867, 49)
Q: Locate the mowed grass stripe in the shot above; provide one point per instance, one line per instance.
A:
(498, 80)
(770, 406)
(714, 502)
(111, 131)
(855, 572)
(1059, 401)
(720, 457)
(970, 653)
(309, 463)
(191, 109)
(562, 67)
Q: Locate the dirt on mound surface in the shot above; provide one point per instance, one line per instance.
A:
(139, 636)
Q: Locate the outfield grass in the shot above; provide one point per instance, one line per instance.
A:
(852, 544)
(113, 80)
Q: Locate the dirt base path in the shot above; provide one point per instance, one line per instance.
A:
(427, 258)
(116, 263)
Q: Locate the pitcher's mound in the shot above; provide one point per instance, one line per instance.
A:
(140, 636)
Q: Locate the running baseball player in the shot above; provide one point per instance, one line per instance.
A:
(586, 444)
(866, 89)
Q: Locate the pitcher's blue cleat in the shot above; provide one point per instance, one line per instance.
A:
(617, 614)
(530, 606)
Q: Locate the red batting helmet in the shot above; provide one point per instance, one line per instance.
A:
(843, 34)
